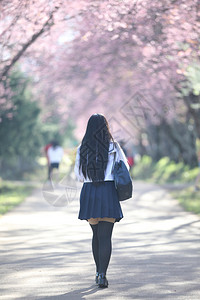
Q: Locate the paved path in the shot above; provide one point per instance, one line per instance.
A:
(46, 251)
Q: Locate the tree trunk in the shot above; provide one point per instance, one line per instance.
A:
(173, 140)
(193, 104)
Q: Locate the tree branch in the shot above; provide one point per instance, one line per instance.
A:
(7, 68)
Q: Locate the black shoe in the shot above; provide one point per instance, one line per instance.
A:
(103, 282)
(97, 277)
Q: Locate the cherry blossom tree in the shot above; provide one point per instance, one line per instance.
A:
(24, 28)
(122, 50)
(128, 59)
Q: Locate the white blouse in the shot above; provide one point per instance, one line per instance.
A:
(108, 173)
(55, 154)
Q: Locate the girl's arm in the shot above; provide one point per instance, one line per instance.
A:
(78, 172)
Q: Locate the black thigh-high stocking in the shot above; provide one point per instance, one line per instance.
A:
(95, 245)
(105, 245)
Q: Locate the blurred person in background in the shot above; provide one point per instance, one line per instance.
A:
(55, 155)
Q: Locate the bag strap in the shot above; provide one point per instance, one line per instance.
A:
(114, 159)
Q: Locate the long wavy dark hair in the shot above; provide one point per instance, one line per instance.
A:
(95, 148)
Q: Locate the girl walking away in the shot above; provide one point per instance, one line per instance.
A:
(99, 203)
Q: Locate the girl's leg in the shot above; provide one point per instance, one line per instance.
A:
(95, 246)
(112, 220)
(50, 172)
(94, 221)
(105, 229)
(101, 246)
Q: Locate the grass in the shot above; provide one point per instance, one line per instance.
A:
(189, 199)
(166, 171)
(12, 194)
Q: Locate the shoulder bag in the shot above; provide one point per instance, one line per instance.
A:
(122, 179)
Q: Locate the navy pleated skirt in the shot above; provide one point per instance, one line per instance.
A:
(99, 200)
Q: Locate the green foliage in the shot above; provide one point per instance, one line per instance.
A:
(193, 75)
(168, 171)
(192, 84)
(70, 140)
(189, 199)
(12, 195)
(20, 131)
(189, 175)
(64, 136)
(50, 132)
(163, 171)
(144, 168)
(160, 169)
